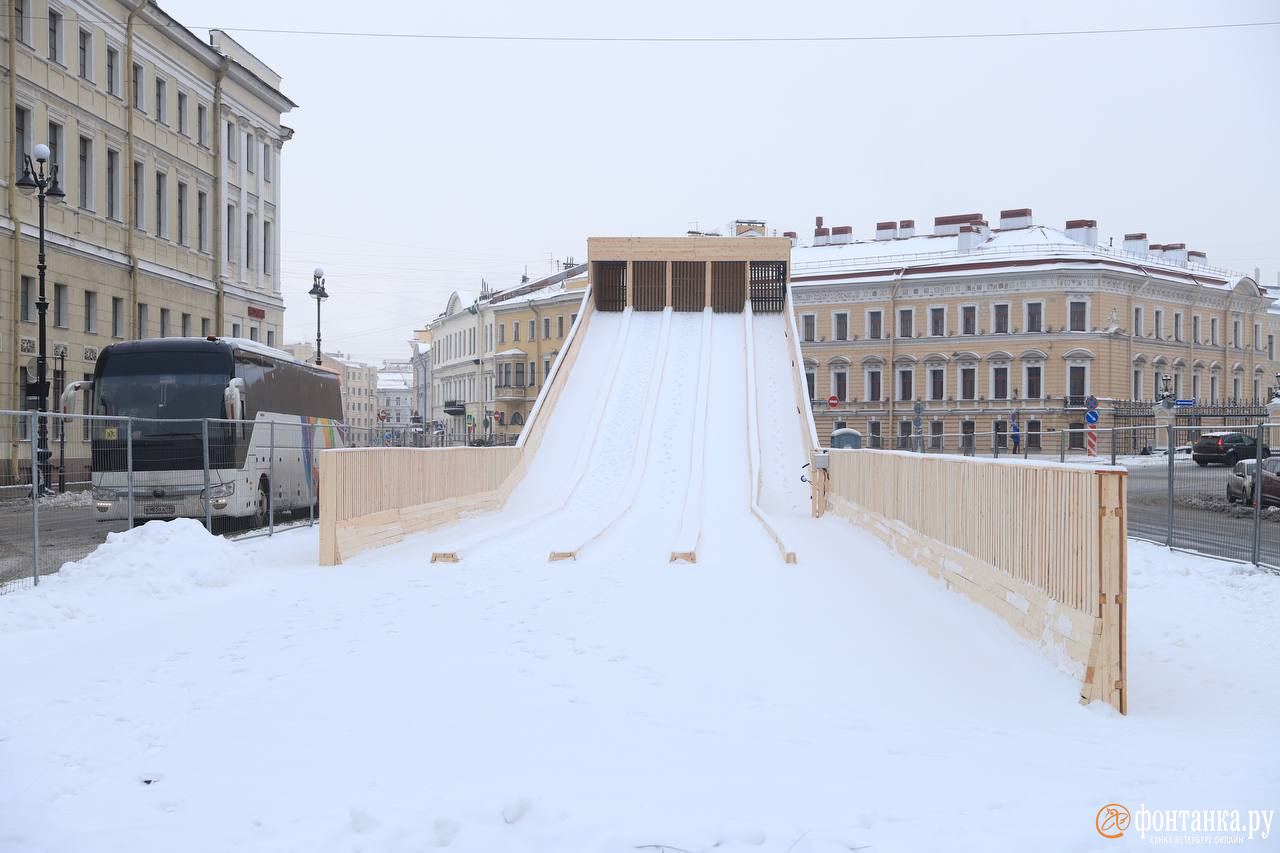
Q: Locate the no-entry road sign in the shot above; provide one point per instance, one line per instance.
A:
(833, 401)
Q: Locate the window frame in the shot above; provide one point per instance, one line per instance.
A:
(969, 311)
(84, 54)
(1008, 318)
(911, 314)
(933, 313)
(1026, 316)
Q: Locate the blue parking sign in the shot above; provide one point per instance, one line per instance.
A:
(1091, 416)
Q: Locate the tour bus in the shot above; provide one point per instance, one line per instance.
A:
(168, 386)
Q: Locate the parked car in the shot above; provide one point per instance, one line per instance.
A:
(1226, 448)
(1244, 491)
(1240, 481)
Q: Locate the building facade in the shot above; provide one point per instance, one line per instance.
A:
(395, 400)
(168, 149)
(974, 327)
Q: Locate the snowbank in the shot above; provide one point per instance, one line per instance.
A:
(159, 560)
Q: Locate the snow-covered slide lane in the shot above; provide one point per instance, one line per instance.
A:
(571, 434)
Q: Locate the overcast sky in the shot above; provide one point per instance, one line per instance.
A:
(420, 166)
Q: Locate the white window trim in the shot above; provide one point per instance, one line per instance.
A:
(866, 382)
(848, 331)
(1088, 312)
(1087, 364)
(90, 201)
(961, 367)
(897, 323)
(1026, 367)
(991, 380)
(945, 319)
(977, 327)
(91, 67)
(1139, 321)
(1008, 313)
(866, 323)
(831, 376)
(898, 371)
(928, 372)
(1157, 323)
(1026, 315)
(54, 9)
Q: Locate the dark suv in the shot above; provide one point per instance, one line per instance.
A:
(1228, 448)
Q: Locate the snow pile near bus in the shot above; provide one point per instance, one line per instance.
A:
(159, 560)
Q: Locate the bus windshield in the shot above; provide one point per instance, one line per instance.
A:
(171, 385)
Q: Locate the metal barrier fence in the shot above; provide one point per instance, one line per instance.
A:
(107, 474)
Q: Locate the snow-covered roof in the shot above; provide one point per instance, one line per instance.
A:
(395, 382)
(510, 352)
(940, 255)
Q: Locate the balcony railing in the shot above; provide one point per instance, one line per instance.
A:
(514, 392)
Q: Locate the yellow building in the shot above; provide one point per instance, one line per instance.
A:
(974, 326)
(168, 149)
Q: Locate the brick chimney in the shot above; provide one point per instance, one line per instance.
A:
(841, 234)
(972, 235)
(1019, 218)
(821, 236)
(1176, 253)
(1136, 243)
(907, 228)
(791, 235)
(886, 230)
(1083, 231)
(1194, 257)
(951, 224)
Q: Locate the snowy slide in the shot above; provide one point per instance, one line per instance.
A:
(685, 547)
(597, 368)
(641, 452)
(773, 399)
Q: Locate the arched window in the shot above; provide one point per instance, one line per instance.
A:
(517, 419)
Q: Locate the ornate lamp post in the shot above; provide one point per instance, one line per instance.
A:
(319, 294)
(44, 184)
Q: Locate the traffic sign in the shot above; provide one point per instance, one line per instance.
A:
(1091, 416)
(471, 419)
(1184, 403)
(384, 415)
(1091, 402)
(833, 401)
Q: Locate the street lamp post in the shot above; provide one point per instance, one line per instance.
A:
(319, 295)
(44, 184)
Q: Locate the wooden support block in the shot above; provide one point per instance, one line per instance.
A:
(444, 557)
(684, 557)
(556, 556)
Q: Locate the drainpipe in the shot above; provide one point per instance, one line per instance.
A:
(219, 252)
(131, 203)
(12, 202)
(893, 370)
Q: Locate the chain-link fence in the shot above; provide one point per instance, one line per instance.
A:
(66, 481)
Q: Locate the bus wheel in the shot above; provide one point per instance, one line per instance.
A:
(262, 511)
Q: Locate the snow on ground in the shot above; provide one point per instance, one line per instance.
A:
(179, 692)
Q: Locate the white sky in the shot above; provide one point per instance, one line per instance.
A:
(420, 166)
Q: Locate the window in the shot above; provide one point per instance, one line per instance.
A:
(1271, 347)
(906, 322)
(164, 322)
(182, 213)
(162, 205)
(1177, 326)
(533, 373)
(1000, 318)
(811, 380)
(117, 317)
(90, 311)
(935, 435)
(905, 379)
(186, 325)
(267, 256)
(1257, 336)
(1033, 388)
(139, 219)
(266, 161)
(1213, 331)
(113, 72)
(937, 322)
(235, 330)
(1001, 433)
(808, 331)
(840, 384)
(841, 326)
(937, 383)
(520, 374)
(969, 320)
(904, 435)
(546, 328)
(873, 432)
(253, 336)
(231, 142)
(1195, 385)
(1077, 382)
(874, 392)
(60, 318)
(1034, 321)
(85, 177)
(573, 318)
(1195, 329)
(113, 184)
(875, 325)
(231, 232)
(1000, 383)
(138, 100)
(55, 144)
(1078, 311)
(86, 55)
(1159, 318)
(502, 333)
(142, 320)
(1235, 333)
(531, 330)
(20, 21)
(1137, 322)
(271, 337)
(248, 152)
(968, 383)
(202, 217)
(55, 37)
(560, 326)
(249, 241)
(202, 124)
(1235, 388)
(162, 101)
(27, 311)
(204, 327)
(1033, 435)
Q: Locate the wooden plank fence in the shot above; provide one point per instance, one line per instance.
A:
(649, 278)
(1043, 546)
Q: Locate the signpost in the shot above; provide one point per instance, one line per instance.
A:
(833, 402)
(1091, 425)
(917, 425)
(1183, 404)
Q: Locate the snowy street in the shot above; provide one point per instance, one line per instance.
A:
(257, 702)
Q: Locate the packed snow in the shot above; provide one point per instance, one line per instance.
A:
(174, 691)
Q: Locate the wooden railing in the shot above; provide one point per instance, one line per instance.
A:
(1042, 545)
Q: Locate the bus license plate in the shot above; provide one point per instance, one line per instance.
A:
(158, 509)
